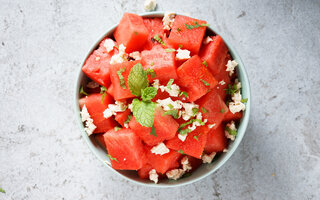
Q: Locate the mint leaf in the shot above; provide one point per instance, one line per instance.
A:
(170, 83)
(195, 111)
(184, 131)
(204, 110)
(158, 39)
(128, 119)
(122, 82)
(185, 124)
(178, 29)
(170, 106)
(2, 190)
(180, 151)
(169, 50)
(137, 79)
(205, 82)
(151, 72)
(83, 92)
(196, 138)
(103, 91)
(184, 93)
(173, 113)
(205, 63)
(180, 46)
(244, 100)
(143, 112)
(222, 110)
(117, 128)
(148, 93)
(196, 25)
(153, 131)
(112, 158)
(230, 131)
(231, 89)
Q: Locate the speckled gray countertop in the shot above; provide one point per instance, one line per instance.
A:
(42, 155)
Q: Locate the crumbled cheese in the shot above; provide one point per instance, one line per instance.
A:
(182, 137)
(120, 57)
(92, 85)
(196, 123)
(109, 44)
(208, 158)
(222, 82)
(230, 66)
(231, 126)
(85, 117)
(135, 55)
(97, 58)
(236, 97)
(164, 103)
(114, 108)
(150, 5)
(156, 83)
(130, 107)
(174, 91)
(175, 174)
(207, 40)
(236, 107)
(182, 54)
(225, 150)
(168, 20)
(160, 149)
(126, 125)
(211, 125)
(186, 165)
(153, 176)
(188, 112)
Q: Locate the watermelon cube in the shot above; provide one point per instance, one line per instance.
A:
(154, 27)
(95, 108)
(213, 108)
(118, 91)
(194, 143)
(163, 63)
(110, 90)
(216, 140)
(190, 39)
(232, 116)
(165, 127)
(196, 78)
(215, 54)
(125, 148)
(131, 32)
(144, 171)
(121, 117)
(223, 79)
(100, 139)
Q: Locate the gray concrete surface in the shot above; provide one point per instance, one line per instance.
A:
(42, 155)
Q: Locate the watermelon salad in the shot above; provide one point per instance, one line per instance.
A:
(162, 96)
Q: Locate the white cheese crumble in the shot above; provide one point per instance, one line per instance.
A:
(173, 91)
(168, 20)
(109, 44)
(211, 125)
(207, 40)
(208, 158)
(236, 105)
(196, 123)
(150, 5)
(114, 108)
(156, 83)
(232, 127)
(186, 165)
(120, 57)
(97, 58)
(126, 125)
(182, 137)
(182, 54)
(85, 117)
(175, 174)
(153, 176)
(160, 149)
(92, 85)
(222, 82)
(188, 112)
(231, 66)
(164, 103)
(225, 150)
(135, 55)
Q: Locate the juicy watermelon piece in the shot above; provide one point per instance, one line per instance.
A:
(230, 116)
(110, 90)
(214, 108)
(191, 146)
(126, 147)
(154, 27)
(95, 108)
(97, 66)
(215, 54)
(195, 162)
(216, 140)
(164, 125)
(144, 171)
(121, 117)
(163, 63)
(190, 39)
(193, 76)
(223, 75)
(119, 92)
(100, 139)
(131, 32)
(163, 163)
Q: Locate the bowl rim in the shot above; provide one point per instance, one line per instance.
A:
(244, 121)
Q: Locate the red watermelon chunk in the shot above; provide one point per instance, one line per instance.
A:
(144, 171)
(131, 32)
(214, 53)
(191, 146)
(165, 127)
(216, 140)
(163, 163)
(194, 76)
(121, 117)
(126, 148)
(110, 90)
(214, 108)
(233, 116)
(119, 92)
(95, 108)
(163, 63)
(190, 39)
(100, 139)
(154, 27)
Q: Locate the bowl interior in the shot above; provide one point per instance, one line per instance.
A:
(205, 169)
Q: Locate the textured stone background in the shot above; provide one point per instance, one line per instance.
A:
(42, 155)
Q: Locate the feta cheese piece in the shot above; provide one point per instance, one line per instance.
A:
(230, 66)
(222, 82)
(173, 91)
(225, 150)
(168, 20)
(188, 112)
(208, 158)
(156, 83)
(153, 176)
(182, 137)
(211, 125)
(232, 127)
(150, 5)
(164, 103)
(135, 55)
(175, 174)
(182, 54)
(126, 125)
(92, 85)
(186, 165)
(236, 107)
(160, 149)
(114, 108)
(130, 107)
(84, 114)
(109, 44)
(207, 40)
(120, 57)
(85, 117)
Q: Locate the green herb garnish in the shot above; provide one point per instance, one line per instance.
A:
(184, 131)
(204, 110)
(170, 83)
(151, 72)
(136, 33)
(128, 119)
(222, 110)
(148, 93)
(103, 91)
(137, 79)
(117, 128)
(173, 113)
(169, 50)
(178, 29)
(121, 78)
(83, 92)
(196, 138)
(205, 82)
(2, 190)
(143, 112)
(180, 46)
(205, 63)
(181, 152)
(195, 111)
(196, 25)
(244, 100)
(230, 131)
(231, 89)
(112, 158)
(184, 93)
(158, 39)
(153, 132)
